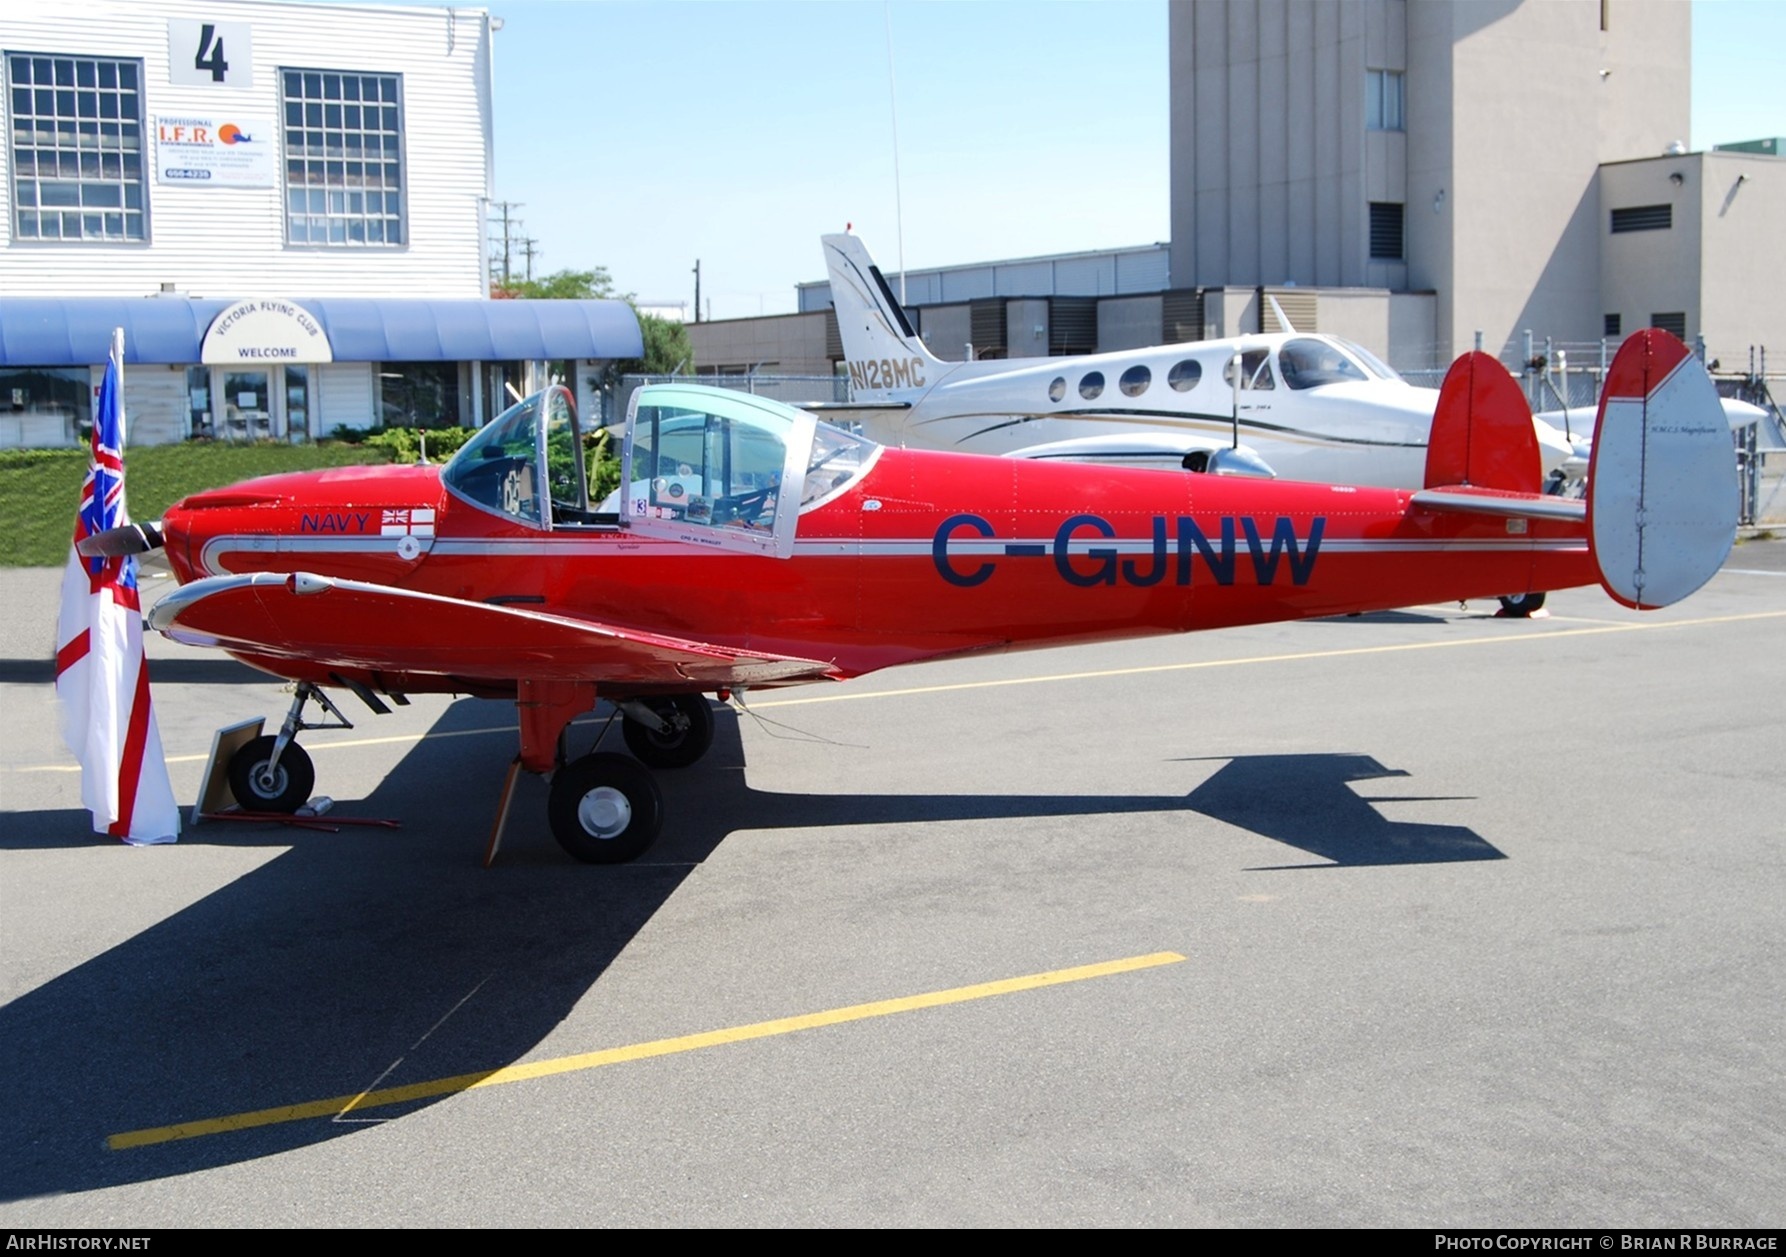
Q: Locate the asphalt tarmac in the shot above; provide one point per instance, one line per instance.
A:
(1408, 920)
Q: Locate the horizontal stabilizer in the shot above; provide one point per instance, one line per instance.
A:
(1482, 433)
(1662, 487)
(356, 625)
(1464, 500)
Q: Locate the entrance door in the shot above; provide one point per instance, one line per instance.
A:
(247, 405)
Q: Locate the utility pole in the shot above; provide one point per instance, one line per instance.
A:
(509, 226)
(528, 245)
(697, 290)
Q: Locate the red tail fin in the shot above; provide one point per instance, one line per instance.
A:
(1482, 431)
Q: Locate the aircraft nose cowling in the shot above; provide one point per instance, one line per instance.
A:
(370, 523)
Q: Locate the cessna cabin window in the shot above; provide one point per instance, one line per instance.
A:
(1057, 388)
(1255, 370)
(1308, 363)
(1092, 385)
(1184, 375)
(1134, 381)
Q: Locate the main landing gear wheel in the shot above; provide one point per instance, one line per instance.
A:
(1519, 606)
(283, 788)
(689, 731)
(605, 809)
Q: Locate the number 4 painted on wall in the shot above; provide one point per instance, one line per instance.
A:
(210, 53)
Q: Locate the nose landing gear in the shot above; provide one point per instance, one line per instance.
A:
(274, 774)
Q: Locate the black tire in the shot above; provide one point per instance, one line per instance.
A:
(1519, 606)
(605, 809)
(687, 739)
(291, 780)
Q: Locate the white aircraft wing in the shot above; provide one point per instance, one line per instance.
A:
(1166, 450)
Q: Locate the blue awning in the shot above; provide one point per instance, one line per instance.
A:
(77, 331)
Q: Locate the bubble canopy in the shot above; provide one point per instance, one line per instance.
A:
(709, 466)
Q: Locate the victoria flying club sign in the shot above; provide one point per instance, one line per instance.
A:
(267, 330)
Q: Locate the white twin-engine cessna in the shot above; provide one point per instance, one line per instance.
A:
(1298, 405)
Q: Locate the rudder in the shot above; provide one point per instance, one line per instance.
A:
(1662, 487)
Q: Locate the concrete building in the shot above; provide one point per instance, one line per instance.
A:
(284, 206)
(1448, 148)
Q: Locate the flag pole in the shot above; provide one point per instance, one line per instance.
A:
(102, 670)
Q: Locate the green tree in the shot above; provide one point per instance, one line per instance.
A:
(667, 351)
(559, 286)
(667, 348)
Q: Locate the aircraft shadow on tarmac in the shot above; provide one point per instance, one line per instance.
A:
(374, 958)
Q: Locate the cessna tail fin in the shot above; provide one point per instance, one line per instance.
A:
(886, 359)
(1662, 488)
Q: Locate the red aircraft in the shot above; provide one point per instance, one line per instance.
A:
(749, 546)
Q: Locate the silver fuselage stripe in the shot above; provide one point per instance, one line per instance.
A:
(560, 546)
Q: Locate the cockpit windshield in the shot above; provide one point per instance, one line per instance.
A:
(529, 457)
(1309, 363)
(498, 468)
(1375, 365)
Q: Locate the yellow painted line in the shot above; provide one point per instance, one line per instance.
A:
(1292, 657)
(341, 1105)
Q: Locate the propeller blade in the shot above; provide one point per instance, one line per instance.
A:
(116, 543)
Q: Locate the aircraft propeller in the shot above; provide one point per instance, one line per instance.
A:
(120, 542)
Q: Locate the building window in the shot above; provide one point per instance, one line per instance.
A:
(1386, 231)
(1642, 218)
(1383, 100)
(418, 394)
(77, 147)
(1610, 326)
(1675, 322)
(343, 158)
(45, 405)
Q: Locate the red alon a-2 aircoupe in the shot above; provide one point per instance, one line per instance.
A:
(749, 546)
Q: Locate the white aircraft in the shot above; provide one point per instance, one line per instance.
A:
(1297, 405)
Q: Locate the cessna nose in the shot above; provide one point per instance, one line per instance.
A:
(118, 543)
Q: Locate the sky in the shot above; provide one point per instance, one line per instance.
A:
(642, 135)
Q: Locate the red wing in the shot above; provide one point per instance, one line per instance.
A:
(352, 624)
